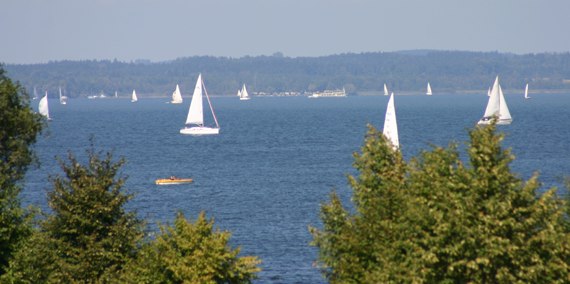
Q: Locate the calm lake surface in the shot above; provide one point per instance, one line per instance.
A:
(278, 158)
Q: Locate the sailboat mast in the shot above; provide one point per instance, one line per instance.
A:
(210, 103)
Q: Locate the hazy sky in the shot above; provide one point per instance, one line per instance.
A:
(34, 31)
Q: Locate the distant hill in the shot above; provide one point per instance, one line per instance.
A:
(404, 71)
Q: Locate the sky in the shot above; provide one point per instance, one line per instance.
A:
(39, 31)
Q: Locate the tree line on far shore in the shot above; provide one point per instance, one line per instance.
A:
(447, 71)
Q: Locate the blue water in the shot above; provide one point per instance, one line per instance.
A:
(277, 159)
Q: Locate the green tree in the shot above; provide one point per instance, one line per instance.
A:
(89, 237)
(191, 253)
(19, 127)
(435, 219)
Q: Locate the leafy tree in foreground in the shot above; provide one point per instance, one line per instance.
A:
(435, 219)
(191, 253)
(89, 237)
(19, 127)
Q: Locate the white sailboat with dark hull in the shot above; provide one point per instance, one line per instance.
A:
(496, 107)
(390, 124)
(195, 119)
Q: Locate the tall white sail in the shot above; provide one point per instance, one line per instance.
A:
(385, 90)
(243, 94)
(43, 107)
(239, 93)
(504, 113)
(493, 103)
(428, 92)
(526, 92)
(134, 97)
(390, 125)
(195, 113)
(176, 96)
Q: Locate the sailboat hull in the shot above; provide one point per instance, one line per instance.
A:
(487, 121)
(244, 99)
(199, 130)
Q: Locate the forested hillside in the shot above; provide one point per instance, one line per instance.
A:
(447, 71)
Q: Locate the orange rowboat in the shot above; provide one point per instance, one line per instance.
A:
(172, 180)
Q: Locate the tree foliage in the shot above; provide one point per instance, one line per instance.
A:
(89, 237)
(19, 127)
(191, 253)
(437, 219)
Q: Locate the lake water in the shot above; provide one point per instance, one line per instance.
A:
(278, 158)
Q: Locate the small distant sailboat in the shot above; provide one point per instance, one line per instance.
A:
(176, 96)
(428, 92)
(243, 95)
(489, 92)
(62, 98)
(390, 125)
(134, 97)
(195, 120)
(496, 107)
(35, 97)
(116, 95)
(526, 92)
(385, 90)
(43, 107)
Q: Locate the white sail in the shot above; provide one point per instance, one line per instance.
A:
(195, 113)
(239, 93)
(526, 92)
(176, 96)
(428, 92)
(62, 98)
(385, 90)
(390, 125)
(35, 97)
(195, 119)
(134, 97)
(243, 94)
(496, 106)
(43, 107)
(504, 113)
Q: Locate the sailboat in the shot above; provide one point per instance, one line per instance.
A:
(390, 125)
(429, 93)
(43, 107)
(176, 96)
(526, 92)
(195, 120)
(496, 107)
(62, 98)
(134, 97)
(243, 95)
(35, 97)
(239, 93)
(385, 90)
